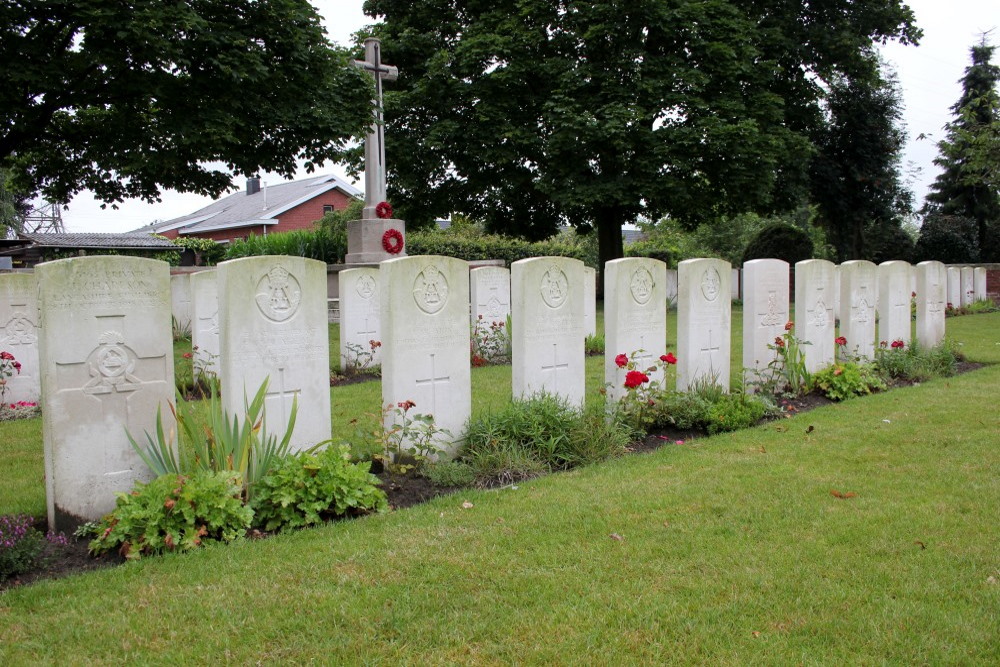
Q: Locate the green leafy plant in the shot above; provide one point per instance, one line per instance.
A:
(180, 330)
(20, 545)
(175, 512)
(308, 488)
(594, 344)
(449, 473)
(213, 440)
(786, 373)
(915, 364)
(842, 381)
(490, 342)
(639, 406)
(736, 411)
(359, 359)
(412, 440)
(540, 434)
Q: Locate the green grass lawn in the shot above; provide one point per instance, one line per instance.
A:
(732, 550)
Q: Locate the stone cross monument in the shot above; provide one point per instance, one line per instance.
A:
(375, 238)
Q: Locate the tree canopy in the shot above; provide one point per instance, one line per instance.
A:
(127, 97)
(531, 113)
(856, 182)
(969, 183)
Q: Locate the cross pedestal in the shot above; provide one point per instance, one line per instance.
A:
(364, 237)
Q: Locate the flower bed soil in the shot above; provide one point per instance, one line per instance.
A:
(402, 490)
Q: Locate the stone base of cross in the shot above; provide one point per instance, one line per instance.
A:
(371, 241)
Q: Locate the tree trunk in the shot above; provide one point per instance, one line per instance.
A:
(609, 239)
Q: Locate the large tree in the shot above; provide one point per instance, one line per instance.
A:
(856, 170)
(529, 113)
(126, 97)
(969, 183)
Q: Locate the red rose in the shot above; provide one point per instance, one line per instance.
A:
(635, 378)
(898, 345)
(669, 358)
(621, 360)
(406, 405)
(840, 340)
(788, 325)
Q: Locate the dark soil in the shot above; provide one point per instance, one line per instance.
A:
(402, 490)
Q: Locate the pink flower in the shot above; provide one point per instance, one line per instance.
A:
(621, 360)
(406, 405)
(635, 378)
(669, 358)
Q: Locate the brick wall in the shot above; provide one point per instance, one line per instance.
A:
(305, 215)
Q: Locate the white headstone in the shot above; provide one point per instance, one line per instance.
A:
(106, 357)
(968, 278)
(894, 321)
(425, 327)
(704, 313)
(489, 290)
(954, 286)
(765, 312)
(273, 326)
(635, 318)
(814, 322)
(979, 283)
(360, 328)
(857, 299)
(932, 285)
(19, 334)
(671, 288)
(205, 321)
(548, 335)
(180, 299)
(589, 301)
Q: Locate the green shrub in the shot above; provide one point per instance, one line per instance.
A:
(206, 251)
(780, 240)
(175, 512)
(449, 473)
(594, 344)
(309, 488)
(847, 380)
(736, 411)
(319, 244)
(212, 440)
(539, 434)
(20, 545)
(915, 364)
(682, 410)
(487, 246)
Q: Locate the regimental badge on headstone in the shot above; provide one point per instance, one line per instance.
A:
(111, 365)
(278, 294)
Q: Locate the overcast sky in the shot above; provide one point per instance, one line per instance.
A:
(928, 75)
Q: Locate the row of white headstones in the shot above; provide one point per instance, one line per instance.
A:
(105, 354)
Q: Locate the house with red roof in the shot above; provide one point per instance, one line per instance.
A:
(262, 209)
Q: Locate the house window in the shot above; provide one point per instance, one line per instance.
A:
(327, 208)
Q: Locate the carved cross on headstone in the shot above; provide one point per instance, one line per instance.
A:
(284, 398)
(643, 357)
(368, 328)
(708, 348)
(555, 367)
(375, 142)
(433, 381)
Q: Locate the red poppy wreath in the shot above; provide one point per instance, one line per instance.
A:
(392, 241)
